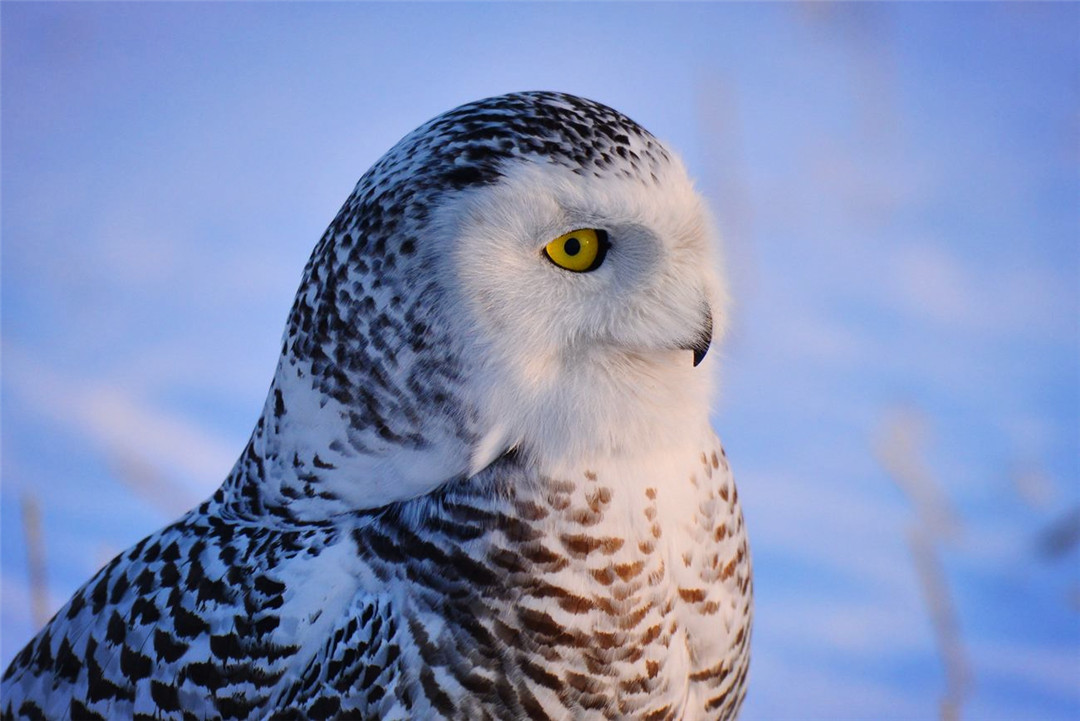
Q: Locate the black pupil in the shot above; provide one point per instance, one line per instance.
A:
(572, 246)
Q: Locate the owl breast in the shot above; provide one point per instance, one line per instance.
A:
(617, 590)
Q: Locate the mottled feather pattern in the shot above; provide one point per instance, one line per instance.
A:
(453, 506)
(508, 594)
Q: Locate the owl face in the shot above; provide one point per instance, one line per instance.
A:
(586, 296)
(532, 271)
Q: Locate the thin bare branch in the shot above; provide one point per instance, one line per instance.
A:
(900, 450)
(35, 557)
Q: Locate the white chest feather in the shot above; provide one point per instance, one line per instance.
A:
(657, 577)
(616, 590)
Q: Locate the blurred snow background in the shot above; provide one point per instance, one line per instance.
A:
(899, 192)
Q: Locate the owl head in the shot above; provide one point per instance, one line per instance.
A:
(532, 271)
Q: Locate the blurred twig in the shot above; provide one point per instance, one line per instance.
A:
(35, 557)
(1061, 536)
(145, 480)
(900, 452)
(944, 620)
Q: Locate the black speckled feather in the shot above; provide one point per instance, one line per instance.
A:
(322, 581)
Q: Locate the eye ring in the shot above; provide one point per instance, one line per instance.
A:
(578, 251)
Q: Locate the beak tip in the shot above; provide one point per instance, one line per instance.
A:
(703, 339)
(701, 347)
(699, 354)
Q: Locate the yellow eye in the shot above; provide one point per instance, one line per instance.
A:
(580, 250)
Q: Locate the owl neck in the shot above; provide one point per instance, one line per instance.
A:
(313, 458)
(602, 405)
(315, 455)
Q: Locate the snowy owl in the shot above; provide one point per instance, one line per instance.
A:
(483, 485)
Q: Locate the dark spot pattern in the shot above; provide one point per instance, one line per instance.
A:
(543, 610)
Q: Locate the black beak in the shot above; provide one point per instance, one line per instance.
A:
(701, 343)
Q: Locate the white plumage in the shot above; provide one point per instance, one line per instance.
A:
(484, 484)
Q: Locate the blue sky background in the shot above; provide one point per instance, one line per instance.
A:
(899, 193)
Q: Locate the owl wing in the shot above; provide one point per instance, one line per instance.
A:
(197, 618)
(353, 673)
